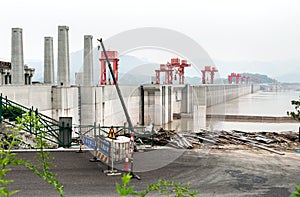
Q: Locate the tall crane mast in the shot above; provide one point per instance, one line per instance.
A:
(117, 87)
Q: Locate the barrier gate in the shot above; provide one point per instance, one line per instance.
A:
(108, 150)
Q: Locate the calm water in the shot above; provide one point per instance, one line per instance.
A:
(259, 104)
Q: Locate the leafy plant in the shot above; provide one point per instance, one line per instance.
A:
(124, 190)
(41, 169)
(297, 193)
(296, 114)
(163, 187)
(11, 112)
(7, 158)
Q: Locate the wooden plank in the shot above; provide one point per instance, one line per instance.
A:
(202, 138)
(268, 149)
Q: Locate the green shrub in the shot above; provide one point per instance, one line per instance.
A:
(12, 112)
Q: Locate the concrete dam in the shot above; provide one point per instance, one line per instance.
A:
(147, 104)
(87, 103)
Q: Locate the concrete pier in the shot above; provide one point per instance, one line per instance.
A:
(48, 61)
(88, 61)
(17, 59)
(63, 60)
(87, 91)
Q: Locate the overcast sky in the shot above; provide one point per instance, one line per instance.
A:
(239, 30)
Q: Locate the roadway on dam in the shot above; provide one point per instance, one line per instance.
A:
(213, 173)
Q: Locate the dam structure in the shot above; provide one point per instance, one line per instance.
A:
(88, 103)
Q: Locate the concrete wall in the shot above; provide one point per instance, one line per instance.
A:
(37, 96)
(101, 104)
(108, 107)
(65, 102)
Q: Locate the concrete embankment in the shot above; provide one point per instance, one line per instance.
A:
(248, 118)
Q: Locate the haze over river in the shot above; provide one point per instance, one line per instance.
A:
(261, 103)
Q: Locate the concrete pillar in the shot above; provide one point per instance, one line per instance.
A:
(48, 60)
(17, 59)
(63, 63)
(87, 91)
(199, 107)
(87, 105)
(186, 100)
(88, 61)
(157, 111)
(164, 107)
(199, 117)
(170, 104)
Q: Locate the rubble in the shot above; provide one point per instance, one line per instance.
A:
(275, 142)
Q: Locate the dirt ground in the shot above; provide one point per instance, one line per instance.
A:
(223, 172)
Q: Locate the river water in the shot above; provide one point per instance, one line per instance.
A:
(257, 104)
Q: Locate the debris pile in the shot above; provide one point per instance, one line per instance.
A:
(274, 142)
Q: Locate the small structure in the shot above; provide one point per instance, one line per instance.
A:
(6, 73)
(211, 71)
(245, 79)
(175, 66)
(113, 57)
(239, 79)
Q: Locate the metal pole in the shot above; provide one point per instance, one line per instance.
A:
(94, 130)
(143, 105)
(1, 107)
(117, 87)
(112, 157)
(152, 135)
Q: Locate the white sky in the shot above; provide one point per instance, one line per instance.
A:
(265, 30)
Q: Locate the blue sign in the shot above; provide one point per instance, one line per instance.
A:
(89, 142)
(104, 147)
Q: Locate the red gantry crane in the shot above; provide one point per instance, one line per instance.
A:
(211, 71)
(239, 79)
(112, 57)
(176, 66)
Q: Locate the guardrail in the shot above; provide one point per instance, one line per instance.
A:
(10, 110)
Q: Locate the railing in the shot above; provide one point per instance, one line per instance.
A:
(143, 135)
(10, 110)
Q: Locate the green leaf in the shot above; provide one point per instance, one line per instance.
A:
(126, 178)
(130, 189)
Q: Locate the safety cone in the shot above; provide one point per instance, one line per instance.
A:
(126, 164)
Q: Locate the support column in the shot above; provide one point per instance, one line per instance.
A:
(186, 100)
(158, 107)
(170, 104)
(115, 69)
(199, 107)
(103, 72)
(87, 90)
(88, 61)
(63, 64)
(164, 107)
(48, 60)
(17, 59)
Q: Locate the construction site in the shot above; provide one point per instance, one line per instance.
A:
(120, 128)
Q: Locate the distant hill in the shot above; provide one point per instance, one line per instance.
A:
(135, 69)
(259, 78)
